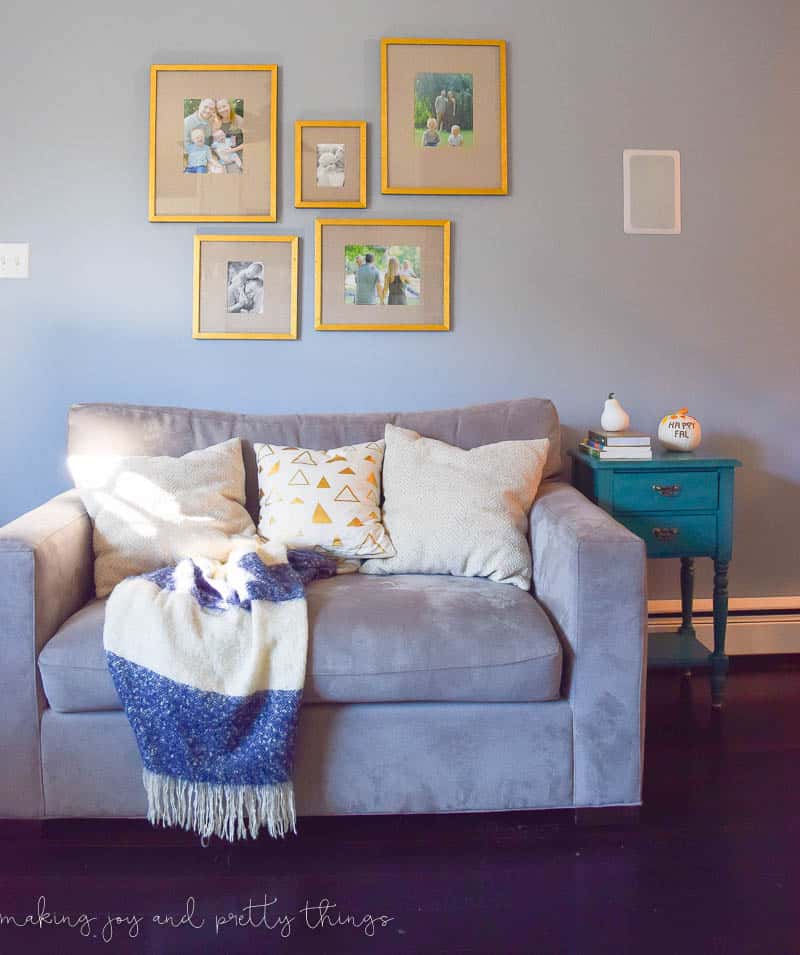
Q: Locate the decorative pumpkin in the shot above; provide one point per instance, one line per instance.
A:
(679, 431)
(614, 416)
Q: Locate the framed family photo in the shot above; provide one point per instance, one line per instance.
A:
(388, 275)
(245, 286)
(213, 139)
(443, 117)
(330, 164)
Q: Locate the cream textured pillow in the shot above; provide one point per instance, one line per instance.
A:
(151, 512)
(450, 511)
(325, 499)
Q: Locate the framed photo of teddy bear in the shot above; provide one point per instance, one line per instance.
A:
(330, 164)
(213, 143)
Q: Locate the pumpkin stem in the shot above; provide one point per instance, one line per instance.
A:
(610, 394)
(683, 411)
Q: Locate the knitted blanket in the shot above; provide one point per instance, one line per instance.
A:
(209, 661)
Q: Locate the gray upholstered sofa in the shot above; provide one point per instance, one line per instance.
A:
(424, 694)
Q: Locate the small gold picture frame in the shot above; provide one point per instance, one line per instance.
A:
(330, 164)
(443, 117)
(389, 275)
(245, 286)
(213, 143)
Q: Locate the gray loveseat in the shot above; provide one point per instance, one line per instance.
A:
(424, 693)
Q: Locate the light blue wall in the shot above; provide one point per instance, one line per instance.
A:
(549, 297)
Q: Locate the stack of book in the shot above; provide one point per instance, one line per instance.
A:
(617, 445)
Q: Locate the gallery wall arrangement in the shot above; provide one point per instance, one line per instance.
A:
(213, 159)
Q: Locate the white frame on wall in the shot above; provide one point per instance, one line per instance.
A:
(628, 226)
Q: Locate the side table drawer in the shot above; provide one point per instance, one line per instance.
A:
(674, 535)
(665, 491)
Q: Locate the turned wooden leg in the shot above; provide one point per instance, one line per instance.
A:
(687, 596)
(719, 662)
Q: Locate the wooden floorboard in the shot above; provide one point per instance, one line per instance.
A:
(711, 867)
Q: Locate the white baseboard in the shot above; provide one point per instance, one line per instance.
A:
(747, 632)
(747, 604)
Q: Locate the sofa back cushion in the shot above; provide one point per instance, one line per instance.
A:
(150, 430)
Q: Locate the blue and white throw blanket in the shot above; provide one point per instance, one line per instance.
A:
(209, 661)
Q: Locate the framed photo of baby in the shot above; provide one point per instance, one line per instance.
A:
(245, 286)
(330, 164)
(443, 117)
(213, 143)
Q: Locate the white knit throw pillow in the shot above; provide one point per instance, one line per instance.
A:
(465, 513)
(150, 512)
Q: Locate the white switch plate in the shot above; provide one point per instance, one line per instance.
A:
(14, 260)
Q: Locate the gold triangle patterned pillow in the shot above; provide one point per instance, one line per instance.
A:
(327, 500)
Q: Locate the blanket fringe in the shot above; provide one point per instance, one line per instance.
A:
(230, 812)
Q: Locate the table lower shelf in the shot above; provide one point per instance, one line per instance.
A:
(676, 650)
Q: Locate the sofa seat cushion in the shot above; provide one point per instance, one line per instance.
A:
(371, 639)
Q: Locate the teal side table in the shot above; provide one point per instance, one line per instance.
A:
(681, 505)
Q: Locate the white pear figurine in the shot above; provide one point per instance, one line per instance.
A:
(614, 416)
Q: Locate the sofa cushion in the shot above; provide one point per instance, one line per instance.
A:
(148, 512)
(328, 499)
(371, 639)
(451, 511)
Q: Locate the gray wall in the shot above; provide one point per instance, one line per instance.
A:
(549, 297)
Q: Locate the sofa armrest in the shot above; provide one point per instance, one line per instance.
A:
(46, 566)
(589, 574)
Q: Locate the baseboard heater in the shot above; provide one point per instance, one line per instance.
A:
(755, 624)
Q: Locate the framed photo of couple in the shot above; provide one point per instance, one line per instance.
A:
(213, 138)
(245, 286)
(389, 275)
(330, 164)
(443, 117)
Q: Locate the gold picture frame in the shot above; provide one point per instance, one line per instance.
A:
(250, 196)
(425, 289)
(216, 315)
(480, 166)
(308, 136)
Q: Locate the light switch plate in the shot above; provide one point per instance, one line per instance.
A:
(14, 258)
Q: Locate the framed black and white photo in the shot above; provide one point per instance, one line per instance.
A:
(245, 286)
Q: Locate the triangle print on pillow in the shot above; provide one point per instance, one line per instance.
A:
(337, 510)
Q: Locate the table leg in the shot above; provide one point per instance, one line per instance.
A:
(719, 662)
(687, 596)
(687, 600)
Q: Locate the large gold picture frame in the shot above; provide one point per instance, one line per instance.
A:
(424, 296)
(213, 314)
(248, 196)
(351, 192)
(479, 167)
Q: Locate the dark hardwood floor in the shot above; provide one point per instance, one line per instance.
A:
(712, 867)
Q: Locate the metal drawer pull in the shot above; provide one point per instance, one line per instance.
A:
(667, 490)
(665, 533)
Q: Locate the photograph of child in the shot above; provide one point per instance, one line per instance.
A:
(213, 137)
(246, 288)
(443, 109)
(382, 275)
(330, 165)
(198, 154)
(431, 135)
